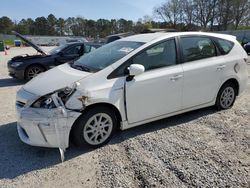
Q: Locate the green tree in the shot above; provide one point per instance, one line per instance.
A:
(77, 26)
(60, 26)
(31, 26)
(103, 27)
(6, 25)
(90, 29)
(41, 26)
(52, 24)
(22, 27)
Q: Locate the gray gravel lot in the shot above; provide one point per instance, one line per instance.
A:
(203, 148)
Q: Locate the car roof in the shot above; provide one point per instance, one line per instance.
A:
(145, 38)
(74, 43)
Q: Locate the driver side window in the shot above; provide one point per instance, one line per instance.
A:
(158, 56)
(161, 55)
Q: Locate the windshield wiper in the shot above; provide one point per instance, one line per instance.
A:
(84, 68)
(80, 67)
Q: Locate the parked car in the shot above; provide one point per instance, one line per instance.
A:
(27, 67)
(247, 47)
(118, 36)
(129, 82)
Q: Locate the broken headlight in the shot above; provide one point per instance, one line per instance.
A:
(44, 102)
(47, 101)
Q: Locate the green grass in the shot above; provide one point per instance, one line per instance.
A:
(9, 42)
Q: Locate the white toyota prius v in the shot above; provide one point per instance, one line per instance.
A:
(129, 82)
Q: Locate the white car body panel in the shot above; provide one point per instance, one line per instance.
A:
(157, 91)
(148, 97)
(196, 73)
(54, 79)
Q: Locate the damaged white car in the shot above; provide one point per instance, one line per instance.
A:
(129, 82)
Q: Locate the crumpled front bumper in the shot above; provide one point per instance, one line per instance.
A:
(43, 127)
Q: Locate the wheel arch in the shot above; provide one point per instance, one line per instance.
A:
(234, 81)
(111, 106)
(33, 64)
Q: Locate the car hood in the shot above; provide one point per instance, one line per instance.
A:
(54, 79)
(27, 57)
(30, 43)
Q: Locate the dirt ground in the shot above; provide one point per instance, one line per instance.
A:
(203, 148)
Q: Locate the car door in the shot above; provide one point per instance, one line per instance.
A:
(202, 70)
(158, 90)
(71, 53)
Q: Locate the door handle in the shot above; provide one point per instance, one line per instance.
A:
(220, 67)
(176, 77)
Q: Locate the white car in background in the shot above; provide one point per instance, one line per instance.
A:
(129, 82)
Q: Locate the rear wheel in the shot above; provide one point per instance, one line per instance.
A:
(226, 96)
(33, 71)
(95, 127)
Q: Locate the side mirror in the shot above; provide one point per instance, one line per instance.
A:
(134, 70)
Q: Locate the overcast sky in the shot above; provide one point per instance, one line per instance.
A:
(89, 9)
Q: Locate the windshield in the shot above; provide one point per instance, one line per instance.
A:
(57, 49)
(107, 55)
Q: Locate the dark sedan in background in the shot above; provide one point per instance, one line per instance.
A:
(27, 67)
(247, 47)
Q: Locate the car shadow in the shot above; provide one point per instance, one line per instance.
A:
(7, 82)
(18, 158)
(162, 124)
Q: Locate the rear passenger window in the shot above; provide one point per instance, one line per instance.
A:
(225, 45)
(195, 48)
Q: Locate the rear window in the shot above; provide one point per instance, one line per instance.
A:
(196, 48)
(225, 45)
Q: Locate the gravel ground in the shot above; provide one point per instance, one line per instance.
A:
(203, 148)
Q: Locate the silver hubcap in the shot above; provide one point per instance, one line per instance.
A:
(227, 97)
(97, 129)
(33, 72)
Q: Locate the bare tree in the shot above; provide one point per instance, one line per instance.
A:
(241, 11)
(204, 12)
(225, 14)
(188, 13)
(171, 11)
(214, 13)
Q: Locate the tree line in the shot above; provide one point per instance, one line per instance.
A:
(182, 15)
(77, 26)
(205, 14)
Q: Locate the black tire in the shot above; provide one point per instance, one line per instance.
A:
(229, 86)
(33, 71)
(80, 137)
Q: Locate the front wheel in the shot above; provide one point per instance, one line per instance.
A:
(95, 127)
(226, 96)
(33, 71)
